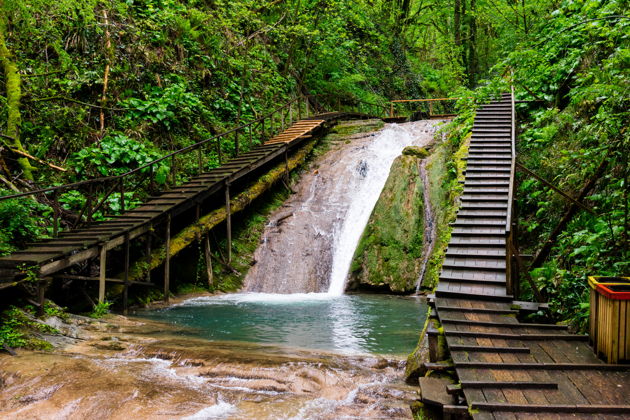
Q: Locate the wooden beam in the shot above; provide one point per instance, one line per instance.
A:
(228, 221)
(126, 276)
(556, 189)
(515, 384)
(543, 366)
(102, 274)
(107, 279)
(167, 261)
(552, 408)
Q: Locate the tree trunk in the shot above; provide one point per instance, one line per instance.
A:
(472, 47)
(14, 95)
(457, 23)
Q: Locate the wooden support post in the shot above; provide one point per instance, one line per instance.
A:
(199, 160)
(148, 252)
(88, 205)
(208, 262)
(262, 130)
(41, 296)
(173, 171)
(219, 149)
(286, 165)
(228, 221)
(430, 109)
(122, 195)
(167, 261)
(251, 140)
(290, 113)
(236, 145)
(391, 110)
(306, 105)
(55, 206)
(126, 277)
(102, 274)
(299, 109)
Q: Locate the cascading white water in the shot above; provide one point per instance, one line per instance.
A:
(309, 243)
(366, 185)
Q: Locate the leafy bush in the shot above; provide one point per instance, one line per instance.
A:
(100, 310)
(115, 155)
(21, 222)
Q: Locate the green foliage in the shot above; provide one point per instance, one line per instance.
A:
(578, 66)
(116, 155)
(51, 309)
(21, 223)
(18, 325)
(100, 310)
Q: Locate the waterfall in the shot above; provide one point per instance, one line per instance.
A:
(309, 243)
(369, 179)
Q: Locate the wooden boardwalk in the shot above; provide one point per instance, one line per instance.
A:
(509, 369)
(52, 256)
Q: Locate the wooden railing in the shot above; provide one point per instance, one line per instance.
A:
(512, 279)
(245, 136)
(429, 101)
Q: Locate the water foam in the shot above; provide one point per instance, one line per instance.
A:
(368, 182)
(217, 411)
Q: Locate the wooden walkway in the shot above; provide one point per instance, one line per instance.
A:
(508, 369)
(95, 239)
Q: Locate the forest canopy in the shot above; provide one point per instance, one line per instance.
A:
(101, 87)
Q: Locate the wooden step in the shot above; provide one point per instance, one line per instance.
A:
(492, 293)
(470, 231)
(479, 241)
(481, 265)
(473, 252)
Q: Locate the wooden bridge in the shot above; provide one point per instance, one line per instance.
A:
(160, 216)
(508, 369)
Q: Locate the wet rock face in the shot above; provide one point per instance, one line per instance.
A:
(301, 254)
(419, 152)
(295, 255)
(390, 249)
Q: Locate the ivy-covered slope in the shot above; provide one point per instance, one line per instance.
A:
(573, 133)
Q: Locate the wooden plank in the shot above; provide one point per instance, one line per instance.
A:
(557, 408)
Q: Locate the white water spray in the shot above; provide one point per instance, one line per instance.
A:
(367, 183)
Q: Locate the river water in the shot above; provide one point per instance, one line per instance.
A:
(349, 324)
(304, 351)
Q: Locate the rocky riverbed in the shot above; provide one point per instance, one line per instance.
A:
(121, 368)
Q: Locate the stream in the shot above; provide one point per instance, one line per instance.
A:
(292, 345)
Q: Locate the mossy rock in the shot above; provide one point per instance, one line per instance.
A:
(416, 151)
(389, 252)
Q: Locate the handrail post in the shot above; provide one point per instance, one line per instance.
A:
(122, 195)
(102, 274)
(508, 220)
(126, 276)
(391, 110)
(199, 160)
(306, 105)
(173, 171)
(55, 206)
(219, 149)
(236, 145)
(167, 261)
(228, 221)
